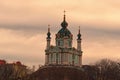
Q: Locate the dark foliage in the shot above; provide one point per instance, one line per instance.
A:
(103, 70)
(12, 71)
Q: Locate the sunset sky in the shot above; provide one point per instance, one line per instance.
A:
(24, 23)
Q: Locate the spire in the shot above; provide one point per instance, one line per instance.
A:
(79, 35)
(48, 28)
(48, 34)
(79, 30)
(64, 15)
(64, 24)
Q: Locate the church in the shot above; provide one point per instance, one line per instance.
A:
(63, 53)
(62, 61)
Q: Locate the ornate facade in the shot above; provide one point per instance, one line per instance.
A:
(63, 53)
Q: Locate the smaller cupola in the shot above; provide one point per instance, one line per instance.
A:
(79, 35)
(48, 34)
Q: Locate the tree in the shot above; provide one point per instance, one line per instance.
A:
(91, 71)
(13, 71)
(108, 69)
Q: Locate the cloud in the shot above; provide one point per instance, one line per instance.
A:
(23, 27)
(19, 48)
(103, 32)
(98, 41)
(37, 11)
(24, 23)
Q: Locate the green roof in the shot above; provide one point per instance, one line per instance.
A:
(64, 32)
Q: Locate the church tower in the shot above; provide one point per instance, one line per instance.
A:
(79, 46)
(48, 39)
(63, 53)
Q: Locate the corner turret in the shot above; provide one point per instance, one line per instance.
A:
(48, 38)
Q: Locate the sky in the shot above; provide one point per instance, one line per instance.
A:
(24, 23)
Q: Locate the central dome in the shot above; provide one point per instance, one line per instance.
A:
(64, 32)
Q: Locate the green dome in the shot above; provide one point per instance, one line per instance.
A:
(64, 32)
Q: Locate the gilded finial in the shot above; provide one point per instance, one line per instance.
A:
(79, 35)
(48, 27)
(64, 24)
(48, 34)
(79, 29)
(64, 14)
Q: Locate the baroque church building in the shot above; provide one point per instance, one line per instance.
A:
(63, 53)
(62, 61)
